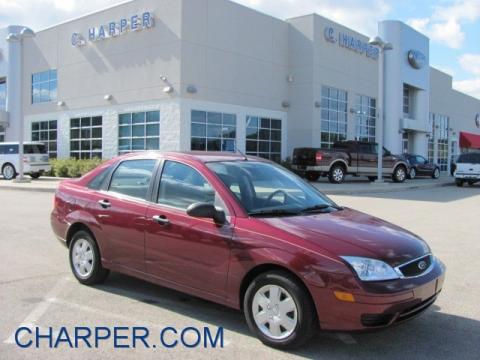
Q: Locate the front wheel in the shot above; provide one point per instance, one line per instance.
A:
(279, 310)
(399, 174)
(412, 173)
(8, 172)
(436, 173)
(85, 260)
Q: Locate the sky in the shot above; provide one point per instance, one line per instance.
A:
(453, 26)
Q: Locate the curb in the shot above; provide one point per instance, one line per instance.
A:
(31, 189)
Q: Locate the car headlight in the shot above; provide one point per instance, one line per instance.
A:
(371, 269)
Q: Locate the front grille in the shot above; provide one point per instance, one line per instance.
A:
(417, 267)
(416, 309)
(371, 320)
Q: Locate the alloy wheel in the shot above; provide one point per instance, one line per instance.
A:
(413, 173)
(274, 312)
(400, 174)
(436, 173)
(337, 175)
(8, 172)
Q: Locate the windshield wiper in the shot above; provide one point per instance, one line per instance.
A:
(320, 207)
(274, 212)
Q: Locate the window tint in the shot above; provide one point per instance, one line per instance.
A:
(98, 180)
(9, 149)
(34, 149)
(181, 186)
(132, 178)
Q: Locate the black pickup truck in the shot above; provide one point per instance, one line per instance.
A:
(347, 157)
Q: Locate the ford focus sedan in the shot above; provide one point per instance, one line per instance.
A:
(246, 233)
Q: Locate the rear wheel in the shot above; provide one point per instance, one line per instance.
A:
(279, 311)
(372, 178)
(471, 183)
(35, 175)
(8, 172)
(312, 175)
(85, 260)
(436, 173)
(336, 174)
(399, 174)
(459, 182)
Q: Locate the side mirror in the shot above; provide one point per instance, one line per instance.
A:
(209, 211)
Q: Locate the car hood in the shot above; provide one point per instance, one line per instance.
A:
(352, 233)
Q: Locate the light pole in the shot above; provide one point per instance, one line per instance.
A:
(18, 38)
(383, 46)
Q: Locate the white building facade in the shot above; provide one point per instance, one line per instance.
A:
(215, 75)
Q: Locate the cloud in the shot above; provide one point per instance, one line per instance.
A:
(445, 24)
(471, 64)
(361, 16)
(40, 14)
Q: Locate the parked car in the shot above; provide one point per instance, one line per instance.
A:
(35, 159)
(419, 166)
(467, 169)
(249, 234)
(347, 157)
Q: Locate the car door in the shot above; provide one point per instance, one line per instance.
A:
(423, 166)
(367, 158)
(120, 212)
(181, 249)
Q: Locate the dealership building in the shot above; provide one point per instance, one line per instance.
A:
(215, 75)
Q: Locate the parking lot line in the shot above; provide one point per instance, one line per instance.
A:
(40, 309)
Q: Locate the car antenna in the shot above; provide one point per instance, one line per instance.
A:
(241, 153)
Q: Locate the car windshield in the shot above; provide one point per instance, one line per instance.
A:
(265, 189)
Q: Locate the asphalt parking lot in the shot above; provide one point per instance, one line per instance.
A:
(37, 289)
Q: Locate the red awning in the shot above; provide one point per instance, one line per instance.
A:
(469, 140)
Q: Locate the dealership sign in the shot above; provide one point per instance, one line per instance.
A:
(351, 43)
(115, 28)
(416, 59)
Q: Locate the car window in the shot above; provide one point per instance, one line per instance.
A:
(421, 160)
(132, 178)
(34, 149)
(9, 149)
(182, 185)
(97, 181)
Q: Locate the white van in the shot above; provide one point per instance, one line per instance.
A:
(35, 159)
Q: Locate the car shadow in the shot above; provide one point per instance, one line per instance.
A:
(435, 334)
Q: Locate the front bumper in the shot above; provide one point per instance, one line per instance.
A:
(378, 308)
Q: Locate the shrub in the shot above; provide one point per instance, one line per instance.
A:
(73, 167)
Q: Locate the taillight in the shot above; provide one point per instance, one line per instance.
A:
(318, 156)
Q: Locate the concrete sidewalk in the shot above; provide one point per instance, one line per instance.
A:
(351, 186)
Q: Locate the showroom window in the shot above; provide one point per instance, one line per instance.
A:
(264, 137)
(46, 132)
(365, 115)
(138, 131)
(333, 116)
(431, 139)
(3, 94)
(86, 137)
(44, 86)
(213, 131)
(438, 140)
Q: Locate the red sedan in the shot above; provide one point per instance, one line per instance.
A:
(246, 233)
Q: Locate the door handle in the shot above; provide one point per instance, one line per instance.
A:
(104, 203)
(161, 219)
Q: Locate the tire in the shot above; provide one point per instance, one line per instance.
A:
(399, 174)
(312, 175)
(9, 172)
(459, 182)
(436, 173)
(84, 251)
(305, 323)
(336, 175)
(372, 178)
(471, 183)
(412, 174)
(35, 175)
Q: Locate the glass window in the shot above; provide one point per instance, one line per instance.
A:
(181, 186)
(3, 94)
(333, 116)
(44, 86)
(264, 137)
(138, 131)
(267, 188)
(132, 178)
(46, 132)
(407, 108)
(365, 118)
(86, 137)
(213, 131)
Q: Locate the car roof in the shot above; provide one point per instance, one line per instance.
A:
(201, 156)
